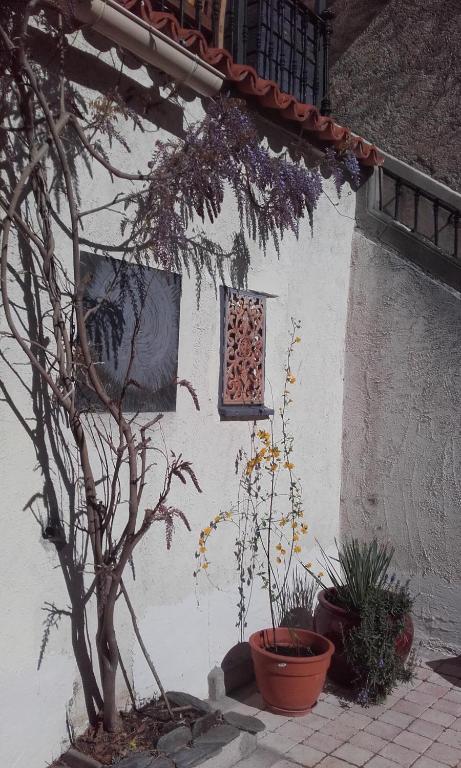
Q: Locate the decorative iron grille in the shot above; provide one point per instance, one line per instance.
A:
(419, 211)
(285, 42)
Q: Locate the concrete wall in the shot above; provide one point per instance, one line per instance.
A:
(401, 428)
(187, 629)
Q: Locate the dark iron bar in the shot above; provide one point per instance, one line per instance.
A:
(398, 186)
(315, 84)
(436, 221)
(198, 9)
(415, 228)
(456, 231)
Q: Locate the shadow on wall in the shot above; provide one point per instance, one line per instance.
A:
(60, 527)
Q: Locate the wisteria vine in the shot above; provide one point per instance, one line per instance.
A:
(189, 179)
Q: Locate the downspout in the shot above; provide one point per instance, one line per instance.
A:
(151, 46)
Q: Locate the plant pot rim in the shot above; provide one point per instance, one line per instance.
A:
(305, 634)
(323, 600)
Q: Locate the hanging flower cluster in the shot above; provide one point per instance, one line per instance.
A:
(189, 179)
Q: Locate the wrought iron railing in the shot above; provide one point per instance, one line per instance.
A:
(405, 209)
(422, 212)
(284, 40)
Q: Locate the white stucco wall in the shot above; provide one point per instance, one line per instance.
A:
(187, 629)
(401, 439)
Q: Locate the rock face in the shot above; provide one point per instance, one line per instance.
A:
(174, 740)
(244, 722)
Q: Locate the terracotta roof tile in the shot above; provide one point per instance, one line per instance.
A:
(321, 129)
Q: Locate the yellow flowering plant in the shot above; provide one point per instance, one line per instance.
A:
(268, 515)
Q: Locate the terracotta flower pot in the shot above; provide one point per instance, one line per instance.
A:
(290, 685)
(332, 620)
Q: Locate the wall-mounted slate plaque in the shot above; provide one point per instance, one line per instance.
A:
(133, 327)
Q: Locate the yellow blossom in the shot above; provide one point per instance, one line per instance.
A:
(291, 378)
(278, 546)
(228, 515)
(207, 530)
(204, 566)
(278, 560)
(275, 452)
(294, 524)
(304, 528)
(297, 549)
(289, 465)
(202, 549)
(263, 435)
(295, 537)
(283, 521)
(320, 574)
(308, 565)
(217, 518)
(297, 339)
(273, 467)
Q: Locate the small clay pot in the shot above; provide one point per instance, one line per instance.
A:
(290, 685)
(333, 621)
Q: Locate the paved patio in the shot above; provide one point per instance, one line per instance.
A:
(419, 726)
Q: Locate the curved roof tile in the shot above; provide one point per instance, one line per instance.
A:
(318, 127)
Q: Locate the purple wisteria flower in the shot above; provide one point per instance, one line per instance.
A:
(189, 179)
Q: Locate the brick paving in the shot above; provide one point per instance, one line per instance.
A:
(419, 726)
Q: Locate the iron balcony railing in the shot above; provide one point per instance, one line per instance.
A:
(422, 212)
(284, 40)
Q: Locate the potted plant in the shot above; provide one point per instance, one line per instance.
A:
(367, 615)
(290, 662)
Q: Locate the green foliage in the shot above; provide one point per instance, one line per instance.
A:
(362, 585)
(361, 568)
(371, 646)
(294, 598)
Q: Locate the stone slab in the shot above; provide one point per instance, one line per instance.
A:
(76, 759)
(173, 740)
(204, 723)
(234, 752)
(220, 736)
(181, 699)
(191, 756)
(141, 760)
(244, 722)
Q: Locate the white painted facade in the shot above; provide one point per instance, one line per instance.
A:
(188, 628)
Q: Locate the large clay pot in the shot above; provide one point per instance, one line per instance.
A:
(332, 621)
(290, 685)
